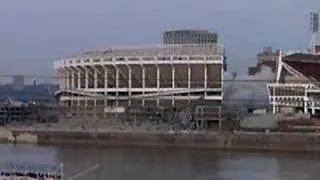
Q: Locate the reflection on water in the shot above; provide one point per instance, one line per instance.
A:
(169, 164)
(28, 153)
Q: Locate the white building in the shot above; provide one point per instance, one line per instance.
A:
(160, 75)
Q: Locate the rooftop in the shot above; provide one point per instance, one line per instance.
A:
(189, 30)
(307, 65)
(301, 57)
(155, 50)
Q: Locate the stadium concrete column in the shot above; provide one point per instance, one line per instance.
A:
(61, 78)
(64, 77)
(105, 90)
(173, 83)
(79, 87)
(95, 76)
(205, 78)
(61, 73)
(66, 81)
(313, 110)
(129, 84)
(305, 107)
(72, 79)
(95, 85)
(79, 79)
(86, 78)
(143, 83)
(273, 96)
(222, 77)
(305, 101)
(158, 84)
(274, 107)
(117, 86)
(86, 88)
(67, 78)
(69, 86)
(189, 82)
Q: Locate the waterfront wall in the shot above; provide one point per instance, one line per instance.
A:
(233, 141)
(7, 135)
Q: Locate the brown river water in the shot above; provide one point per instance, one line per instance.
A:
(169, 164)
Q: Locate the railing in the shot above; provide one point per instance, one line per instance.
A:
(275, 89)
(294, 95)
(31, 170)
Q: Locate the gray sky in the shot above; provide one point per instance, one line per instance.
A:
(34, 33)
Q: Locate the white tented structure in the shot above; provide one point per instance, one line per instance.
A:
(297, 84)
(159, 75)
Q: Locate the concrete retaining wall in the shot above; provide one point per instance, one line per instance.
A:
(5, 135)
(240, 140)
(26, 138)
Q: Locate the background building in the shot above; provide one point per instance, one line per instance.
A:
(42, 92)
(268, 58)
(18, 82)
(190, 37)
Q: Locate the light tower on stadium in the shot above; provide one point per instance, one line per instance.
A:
(314, 28)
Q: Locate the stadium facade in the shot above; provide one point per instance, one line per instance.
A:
(297, 84)
(163, 75)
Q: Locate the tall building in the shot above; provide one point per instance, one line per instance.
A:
(18, 82)
(268, 58)
(190, 37)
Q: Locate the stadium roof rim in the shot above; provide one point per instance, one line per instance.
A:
(132, 47)
(190, 30)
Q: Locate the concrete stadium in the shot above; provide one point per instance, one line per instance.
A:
(152, 82)
(163, 75)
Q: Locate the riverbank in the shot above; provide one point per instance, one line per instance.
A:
(5, 135)
(257, 141)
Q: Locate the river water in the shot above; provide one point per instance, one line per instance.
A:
(169, 164)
